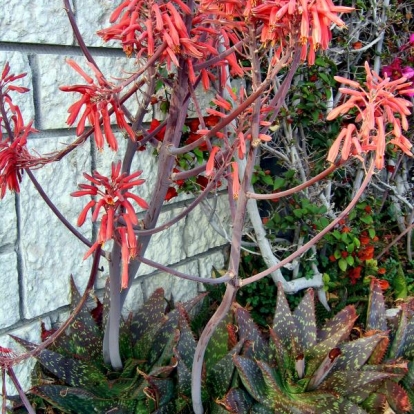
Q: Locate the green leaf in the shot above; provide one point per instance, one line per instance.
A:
(367, 219)
(371, 232)
(278, 182)
(267, 179)
(298, 212)
(350, 248)
(350, 260)
(342, 263)
(324, 77)
(336, 234)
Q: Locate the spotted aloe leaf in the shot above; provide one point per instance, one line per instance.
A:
(355, 354)
(333, 332)
(398, 343)
(262, 386)
(237, 401)
(146, 323)
(280, 355)
(218, 346)
(167, 336)
(355, 385)
(342, 323)
(278, 398)
(408, 348)
(305, 321)
(73, 372)
(160, 390)
(249, 331)
(376, 308)
(79, 401)
(397, 397)
(324, 369)
(184, 353)
(220, 375)
(84, 338)
(283, 322)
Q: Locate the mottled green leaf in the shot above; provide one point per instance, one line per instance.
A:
(323, 369)
(237, 401)
(345, 318)
(304, 317)
(336, 330)
(356, 353)
(408, 347)
(219, 376)
(217, 346)
(251, 377)
(396, 396)
(355, 385)
(376, 308)
(152, 314)
(248, 330)
(73, 372)
(79, 401)
(283, 323)
(398, 343)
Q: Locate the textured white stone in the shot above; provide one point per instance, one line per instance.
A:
(206, 263)
(23, 371)
(50, 254)
(53, 72)
(19, 63)
(8, 228)
(9, 288)
(92, 16)
(180, 290)
(199, 235)
(40, 21)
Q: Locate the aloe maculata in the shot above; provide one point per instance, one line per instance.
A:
(156, 347)
(303, 369)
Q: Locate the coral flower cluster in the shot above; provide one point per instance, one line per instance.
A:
(96, 97)
(113, 200)
(14, 156)
(280, 21)
(144, 28)
(378, 103)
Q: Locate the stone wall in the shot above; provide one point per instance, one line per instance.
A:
(37, 253)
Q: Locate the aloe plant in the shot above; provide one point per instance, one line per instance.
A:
(296, 368)
(154, 345)
(303, 369)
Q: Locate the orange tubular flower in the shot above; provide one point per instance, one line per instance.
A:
(378, 106)
(14, 156)
(95, 100)
(114, 201)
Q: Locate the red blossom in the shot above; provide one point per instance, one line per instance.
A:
(354, 274)
(14, 155)
(112, 196)
(94, 105)
(154, 125)
(171, 193)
